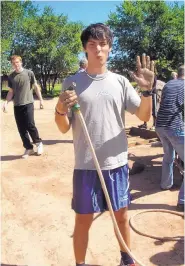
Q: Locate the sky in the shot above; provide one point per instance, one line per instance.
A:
(85, 11)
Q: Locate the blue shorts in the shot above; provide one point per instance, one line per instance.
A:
(88, 196)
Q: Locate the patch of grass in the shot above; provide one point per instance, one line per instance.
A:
(55, 92)
(5, 88)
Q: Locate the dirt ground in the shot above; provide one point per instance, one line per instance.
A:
(37, 220)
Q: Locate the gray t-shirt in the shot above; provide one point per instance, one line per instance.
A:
(103, 103)
(22, 83)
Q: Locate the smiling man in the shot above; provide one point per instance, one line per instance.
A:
(103, 97)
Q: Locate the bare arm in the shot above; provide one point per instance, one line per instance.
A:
(144, 111)
(38, 91)
(39, 95)
(62, 121)
(9, 95)
(8, 99)
(66, 100)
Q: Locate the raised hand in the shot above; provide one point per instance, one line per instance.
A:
(144, 75)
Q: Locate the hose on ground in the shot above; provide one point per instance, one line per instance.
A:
(133, 225)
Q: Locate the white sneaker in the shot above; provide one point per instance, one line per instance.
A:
(39, 148)
(28, 153)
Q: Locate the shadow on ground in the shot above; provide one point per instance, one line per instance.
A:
(10, 157)
(2, 264)
(56, 141)
(160, 259)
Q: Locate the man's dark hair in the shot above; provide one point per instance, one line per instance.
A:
(97, 31)
(181, 71)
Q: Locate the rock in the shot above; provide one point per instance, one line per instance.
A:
(136, 167)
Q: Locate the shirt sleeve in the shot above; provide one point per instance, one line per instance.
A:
(132, 99)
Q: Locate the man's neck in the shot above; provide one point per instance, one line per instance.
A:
(19, 70)
(91, 70)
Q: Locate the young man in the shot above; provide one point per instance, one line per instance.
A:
(103, 97)
(170, 129)
(20, 83)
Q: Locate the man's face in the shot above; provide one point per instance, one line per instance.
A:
(97, 51)
(17, 64)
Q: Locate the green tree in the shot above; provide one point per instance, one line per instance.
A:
(151, 27)
(49, 45)
(12, 15)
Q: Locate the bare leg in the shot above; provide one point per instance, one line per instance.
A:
(123, 224)
(81, 233)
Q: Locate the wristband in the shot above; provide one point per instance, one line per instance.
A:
(60, 113)
(147, 93)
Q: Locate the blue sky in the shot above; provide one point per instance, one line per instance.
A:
(86, 11)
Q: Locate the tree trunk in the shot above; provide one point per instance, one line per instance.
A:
(54, 81)
(45, 85)
(49, 84)
(44, 79)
